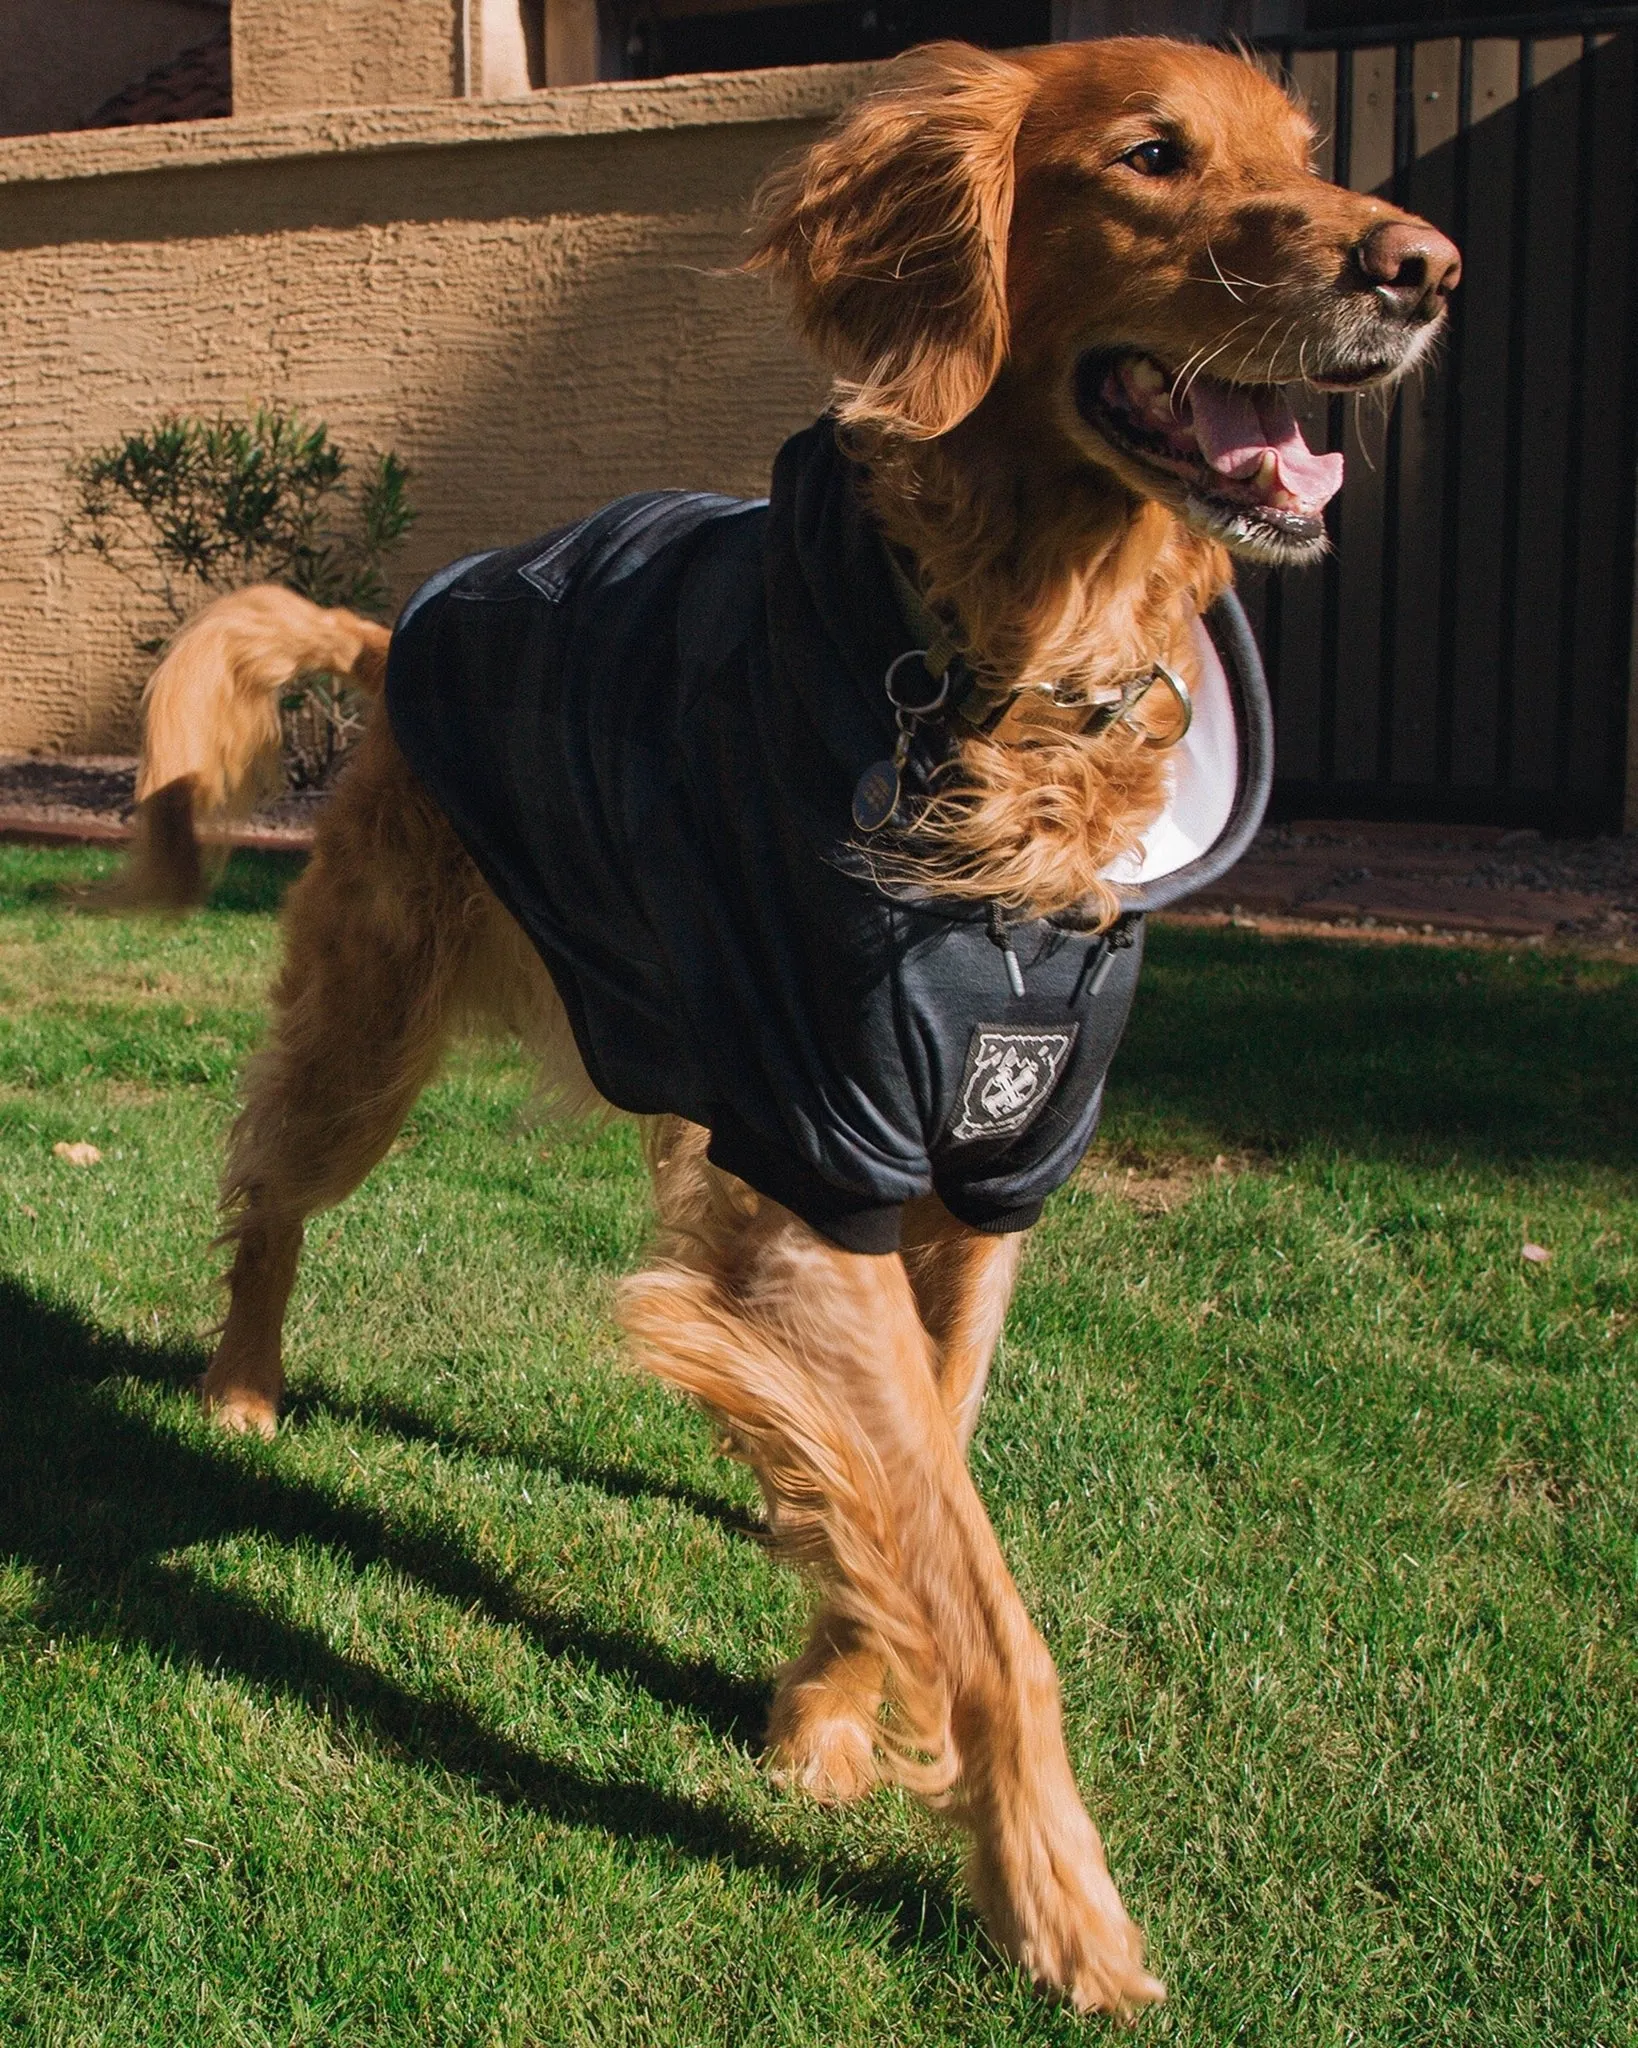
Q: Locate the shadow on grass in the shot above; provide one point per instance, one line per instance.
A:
(397, 1418)
(93, 1496)
(55, 877)
(1406, 1052)
(255, 882)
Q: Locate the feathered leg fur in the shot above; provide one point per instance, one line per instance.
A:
(818, 1363)
(392, 940)
(821, 1732)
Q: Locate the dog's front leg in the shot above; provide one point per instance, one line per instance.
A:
(821, 1731)
(820, 1365)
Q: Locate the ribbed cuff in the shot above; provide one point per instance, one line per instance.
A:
(994, 1222)
(836, 1213)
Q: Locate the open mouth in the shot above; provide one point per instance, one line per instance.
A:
(1233, 454)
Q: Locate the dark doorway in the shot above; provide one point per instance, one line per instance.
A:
(658, 40)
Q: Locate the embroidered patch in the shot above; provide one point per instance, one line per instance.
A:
(1010, 1075)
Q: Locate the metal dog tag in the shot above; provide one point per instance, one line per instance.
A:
(877, 792)
(876, 796)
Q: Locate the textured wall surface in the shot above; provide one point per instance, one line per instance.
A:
(345, 53)
(524, 299)
(60, 59)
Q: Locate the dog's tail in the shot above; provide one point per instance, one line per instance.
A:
(210, 727)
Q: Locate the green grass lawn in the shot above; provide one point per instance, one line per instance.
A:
(436, 1721)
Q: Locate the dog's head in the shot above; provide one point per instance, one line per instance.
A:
(1128, 237)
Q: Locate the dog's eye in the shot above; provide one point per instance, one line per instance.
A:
(1154, 159)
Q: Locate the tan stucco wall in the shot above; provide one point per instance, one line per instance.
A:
(61, 59)
(523, 299)
(345, 53)
(289, 54)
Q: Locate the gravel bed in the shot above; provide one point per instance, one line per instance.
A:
(101, 788)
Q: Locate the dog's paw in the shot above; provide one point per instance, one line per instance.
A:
(1049, 1903)
(240, 1412)
(820, 1743)
(833, 1762)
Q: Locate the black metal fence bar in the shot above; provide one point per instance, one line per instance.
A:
(1570, 590)
(1444, 708)
(1512, 437)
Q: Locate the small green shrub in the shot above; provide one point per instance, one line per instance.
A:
(191, 507)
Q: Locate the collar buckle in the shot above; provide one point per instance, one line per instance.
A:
(981, 701)
(1119, 710)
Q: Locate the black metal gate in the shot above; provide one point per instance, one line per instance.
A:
(1465, 653)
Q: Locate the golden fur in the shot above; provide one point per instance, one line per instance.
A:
(210, 738)
(952, 249)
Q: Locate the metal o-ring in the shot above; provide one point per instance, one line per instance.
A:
(925, 710)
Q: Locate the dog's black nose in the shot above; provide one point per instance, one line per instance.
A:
(1412, 266)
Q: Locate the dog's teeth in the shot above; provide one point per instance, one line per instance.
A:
(1146, 376)
(1268, 471)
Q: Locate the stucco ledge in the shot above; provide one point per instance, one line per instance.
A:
(710, 99)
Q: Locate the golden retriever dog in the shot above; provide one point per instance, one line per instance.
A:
(1066, 296)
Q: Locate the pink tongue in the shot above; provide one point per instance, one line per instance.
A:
(1236, 428)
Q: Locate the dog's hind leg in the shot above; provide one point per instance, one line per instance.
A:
(818, 1362)
(963, 1281)
(822, 1728)
(380, 932)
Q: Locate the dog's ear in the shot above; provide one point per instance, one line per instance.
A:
(891, 235)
